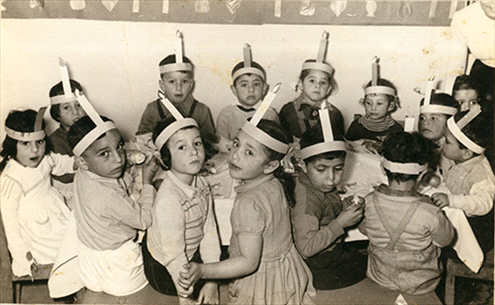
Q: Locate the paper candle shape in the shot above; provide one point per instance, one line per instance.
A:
(179, 64)
(456, 129)
(248, 65)
(68, 96)
(101, 126)
(374, 88)
(319, 64)
(180, 122)
(258, 134)
(329, 144)
(374, 72)
(38, 132)
(428, 107)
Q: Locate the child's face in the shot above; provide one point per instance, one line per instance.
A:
(325, 174)
(106, 156)
(377, 106)
(249, 89)
(432, 125)
(467, 98)
(451, 148)
(69, 113)
(30, 153)
(177, 86)
(186, 151)
(316, 85)
(247, 159)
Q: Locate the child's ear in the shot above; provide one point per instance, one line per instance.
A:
(299, 85)
(234, 90)
(161, 84)
(466, 154)
(81, 163)
(391, 106)
(265, 88)
(329, 89)
(271, 167)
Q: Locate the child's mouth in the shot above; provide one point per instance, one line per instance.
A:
(234, 167)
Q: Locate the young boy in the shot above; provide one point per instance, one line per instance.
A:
(177, 84)
(405, 231)
(471, 180)
(320, 217)
(110, 263)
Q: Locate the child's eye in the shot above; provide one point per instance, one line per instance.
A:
(104, 154)
(120, 146)
(40, 142)
(338, 168)
(235, 143)
(320, 169)
(182, 147)
(24, 143)
(243, 85)
(257, 84)
(186, 81)
(171, 81)
(198, 143)
(324, 83)
(249, 152)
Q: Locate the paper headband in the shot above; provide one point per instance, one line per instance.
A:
(433, 108)
(374, 88)
(404, 168)
(258, 134)
(319, 64)
(68, 95)
(455, 129)
(36, 135)
(180, 122)
(101, 127)
(248, 69)
(329, 144)
(179, 65)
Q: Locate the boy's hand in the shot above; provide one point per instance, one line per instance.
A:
(208, 294)
(440, 200)
(351, 214)
(191, 276)
(150, 167)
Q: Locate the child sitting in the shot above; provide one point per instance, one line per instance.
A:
(184, 226)
(263, 260)
(405, 231)
(434, 112)
(319, 217)
(317, 83)
(470, 181)
(107, 218)
(33, 212)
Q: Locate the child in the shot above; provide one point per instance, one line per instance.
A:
(471, 180)
(434, 113)
(317, 83)
(33, 212)
(320, 217)
(249, 87)
(263, 260)
(109, 258)
(466, 92)
(184, 223)
(405, 231)
(380, 100)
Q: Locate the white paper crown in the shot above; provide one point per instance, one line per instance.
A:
(251, 129)
(248, 68)
(319, 64)
(180, 122)
(456, 129)
(404, 168)
(432, 108)
(101, 126)
(38, 132)
(68, 95)
(179, 65)
(374, 88)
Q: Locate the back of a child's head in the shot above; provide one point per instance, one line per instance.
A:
(57, 90)
(170, 59)
(81, 128)
(391, 98)
(240, 65)
(313, 136)
(404, 147)
(442, 99)
(478, 130)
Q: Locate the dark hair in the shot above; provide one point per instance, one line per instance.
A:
(22, 121)
(466, 82)
(313, 136)
(274, 130)
(442, 99)
(331, 79)
(57, 90)
(170, 59)
(403, 147)
(240, 65)
(391, 98)
(478, 130)
(165, 154)
(81, 128)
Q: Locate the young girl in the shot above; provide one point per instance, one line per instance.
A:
(184, 226)
(263, 260)
(33, 212)
(380, 101)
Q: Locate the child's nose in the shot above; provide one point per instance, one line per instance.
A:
(35, 147)
(194, 151)
(178, 86)
(233, 154)
(330, 176)
(117, 157)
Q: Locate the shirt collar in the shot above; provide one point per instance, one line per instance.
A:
(247, 186)
(385, 189)
(189, 190)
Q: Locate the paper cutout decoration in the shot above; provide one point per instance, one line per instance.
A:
(179, 64)
(202, 6)
(135, 6)
(248, 68)
(307, 8)
(68, 95)
(277, 10)
(374, 88)
(109, 4)
(320, 64)
(77, 4)
(38, 132)
(338, 7)
(233, 6)
(165, 6)
(433, 108)
(371, 8)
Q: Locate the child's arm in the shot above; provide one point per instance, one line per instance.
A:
(61, 164)
(210, 244)
(442, 230)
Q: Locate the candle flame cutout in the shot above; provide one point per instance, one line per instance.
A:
(178, 47)
(64, 74)
(323, 47)
(429, 90)
(247, 55)
(374, 71)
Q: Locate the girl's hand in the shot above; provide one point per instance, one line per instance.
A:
(441, 200)
(150, 167)
(350, 215)
(191, 276)
(208, 294)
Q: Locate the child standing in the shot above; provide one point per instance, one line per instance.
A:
(184, 225)
(405, 231)
(317, 83)
(263, 260)
(319, 217)
(33, 212)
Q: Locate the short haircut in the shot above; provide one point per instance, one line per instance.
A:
(391, 98)
(240, 65)
(170, 59)
(313, 136)
(57, 90)
(404, 147)
(466, 82)
(478, 130)
(441, 99)
(81, 128)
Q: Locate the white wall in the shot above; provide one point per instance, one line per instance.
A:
(117, 62)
